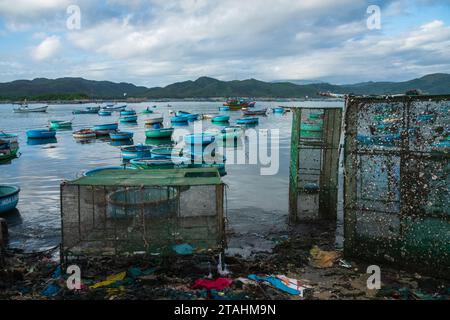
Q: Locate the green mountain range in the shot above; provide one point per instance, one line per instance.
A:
(205, 87)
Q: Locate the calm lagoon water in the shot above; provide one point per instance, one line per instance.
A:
(257, 205)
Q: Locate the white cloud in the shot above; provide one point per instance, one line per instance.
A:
(47, 48)
(29, 8)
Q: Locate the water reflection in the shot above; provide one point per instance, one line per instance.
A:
(36, 142)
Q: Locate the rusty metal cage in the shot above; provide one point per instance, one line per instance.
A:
(396, 190)
(313, 185)
(142, 211)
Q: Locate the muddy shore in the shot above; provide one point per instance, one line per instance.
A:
(38, 276)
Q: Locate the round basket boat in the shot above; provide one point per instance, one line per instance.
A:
(221, 119)
(202, 139)
(9, 197)
(41, 134)
(160, 163)
(109, 126)
(100, 170)
(149, 202)
(151, 121)
(159, 133)
(84, 134)
(121, 135)
(137, 151)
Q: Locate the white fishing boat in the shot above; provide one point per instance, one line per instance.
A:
(26, 109)
(114, 108)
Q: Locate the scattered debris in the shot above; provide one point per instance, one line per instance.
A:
(323, 259)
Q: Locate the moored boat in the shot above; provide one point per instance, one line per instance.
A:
(159, 133)
(127, 112)
(152, 163)
(278, 110)
(132, 118)
(200, 139)
(60, 124)
(247, 121)
(108, 126)
(100, 170)
(112, 107)
(221, 118)
(236, 104)
(154, 120)
(147, 111)
(224, 108)
(26, 109)
(9, 197)
(84, 134)
(87, 110)
(166, 152)
(10, 137)
(41, 134)
(247, 112)
(104, 113)
(121, 135)
(179, 119)
(136, 151)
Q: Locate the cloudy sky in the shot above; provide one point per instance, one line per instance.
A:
(157, 42)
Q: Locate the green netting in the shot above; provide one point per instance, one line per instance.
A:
(171, 177)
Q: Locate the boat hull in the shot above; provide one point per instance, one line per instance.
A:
(159, 133)
(9, 197)
(41, 134)
(247, 121)
(128, 119)
(154, 121)
(109, 126)
(134, 152)
(28, 110)
(121, 136)
(221, 119)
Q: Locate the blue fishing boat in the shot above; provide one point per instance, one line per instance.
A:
(159, 133)
(9, 197)
(179, 119)
(121, 135)
(87, 110)
(99, 170)
(109, 126)
(152, 163)
(202, 139)
(147, 110)
(127, 113)
(10, 137)
(41, 134)
(247, 121)
(166, 152)
(224, 108)
(128, 118)
(137, 151)
(221, 118)
(189, 116)
(104, 113)
(278, 110)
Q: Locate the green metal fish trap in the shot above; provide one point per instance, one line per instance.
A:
(128, 212)
(313, 184)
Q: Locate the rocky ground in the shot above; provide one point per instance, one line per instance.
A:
(306, 254)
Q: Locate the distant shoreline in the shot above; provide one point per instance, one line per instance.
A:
(130, 100)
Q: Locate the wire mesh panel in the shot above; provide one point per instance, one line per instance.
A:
(314, 163)
(117, 218)
(397, 180)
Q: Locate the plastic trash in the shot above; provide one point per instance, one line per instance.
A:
(183, 249)
(283, 283)
(51, 290)
(218, 284)
(110, 280)
(323, 259)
